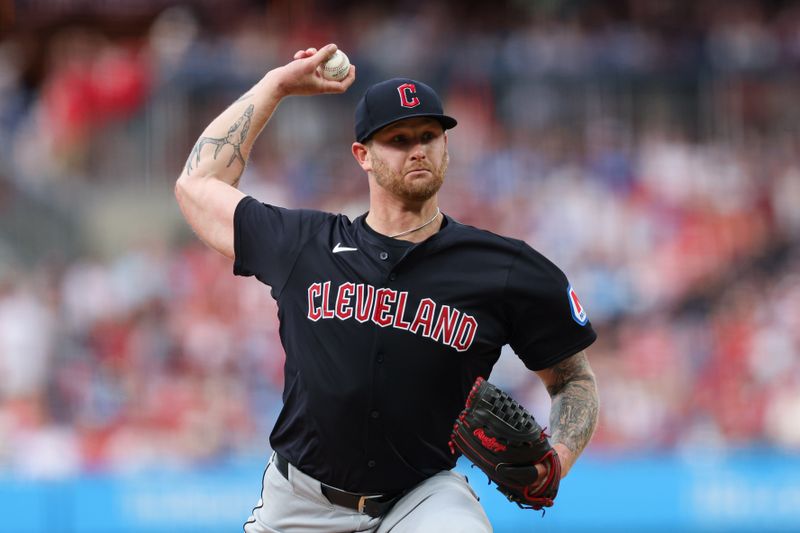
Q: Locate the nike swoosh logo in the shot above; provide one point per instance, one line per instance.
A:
(339, 248)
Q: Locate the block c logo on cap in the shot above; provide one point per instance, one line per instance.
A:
(408, 95)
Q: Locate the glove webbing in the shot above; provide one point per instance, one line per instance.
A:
(504, 407)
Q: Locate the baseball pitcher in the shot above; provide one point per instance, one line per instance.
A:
(391, 323)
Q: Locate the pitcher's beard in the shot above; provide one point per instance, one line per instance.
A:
(419, 189)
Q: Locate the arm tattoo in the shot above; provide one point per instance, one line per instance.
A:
(575, 407)
(236, 136)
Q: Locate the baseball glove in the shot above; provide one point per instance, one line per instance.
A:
(500, 437)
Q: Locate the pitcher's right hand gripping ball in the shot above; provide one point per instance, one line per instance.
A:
(500, 437)
(337, 67)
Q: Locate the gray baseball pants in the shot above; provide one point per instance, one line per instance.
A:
(444, 503)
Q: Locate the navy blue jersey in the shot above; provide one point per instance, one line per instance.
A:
(384, 338)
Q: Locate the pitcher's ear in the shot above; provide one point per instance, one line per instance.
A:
(361, 155)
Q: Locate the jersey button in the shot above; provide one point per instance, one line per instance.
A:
(371, 463)
(392, 276)
(384, 256)
(375, 414)
(379, 358)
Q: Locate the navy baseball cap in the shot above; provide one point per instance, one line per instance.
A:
(397, 99)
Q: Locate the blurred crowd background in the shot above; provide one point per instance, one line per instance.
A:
(650, 148)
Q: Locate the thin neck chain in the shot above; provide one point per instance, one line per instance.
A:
(403, 233)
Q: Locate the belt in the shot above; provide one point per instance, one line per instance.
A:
(374, 505)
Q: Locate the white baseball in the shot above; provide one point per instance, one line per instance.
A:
(337, 67)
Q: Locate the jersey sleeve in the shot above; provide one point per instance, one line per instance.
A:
(548, 322)
(267, 239)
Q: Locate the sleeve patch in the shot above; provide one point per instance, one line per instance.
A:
(578, 312)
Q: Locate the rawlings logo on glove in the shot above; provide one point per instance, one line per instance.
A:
(488, 442)
(501, 438)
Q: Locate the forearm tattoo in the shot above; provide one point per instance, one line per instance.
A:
(237, 134)
(575, 405)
